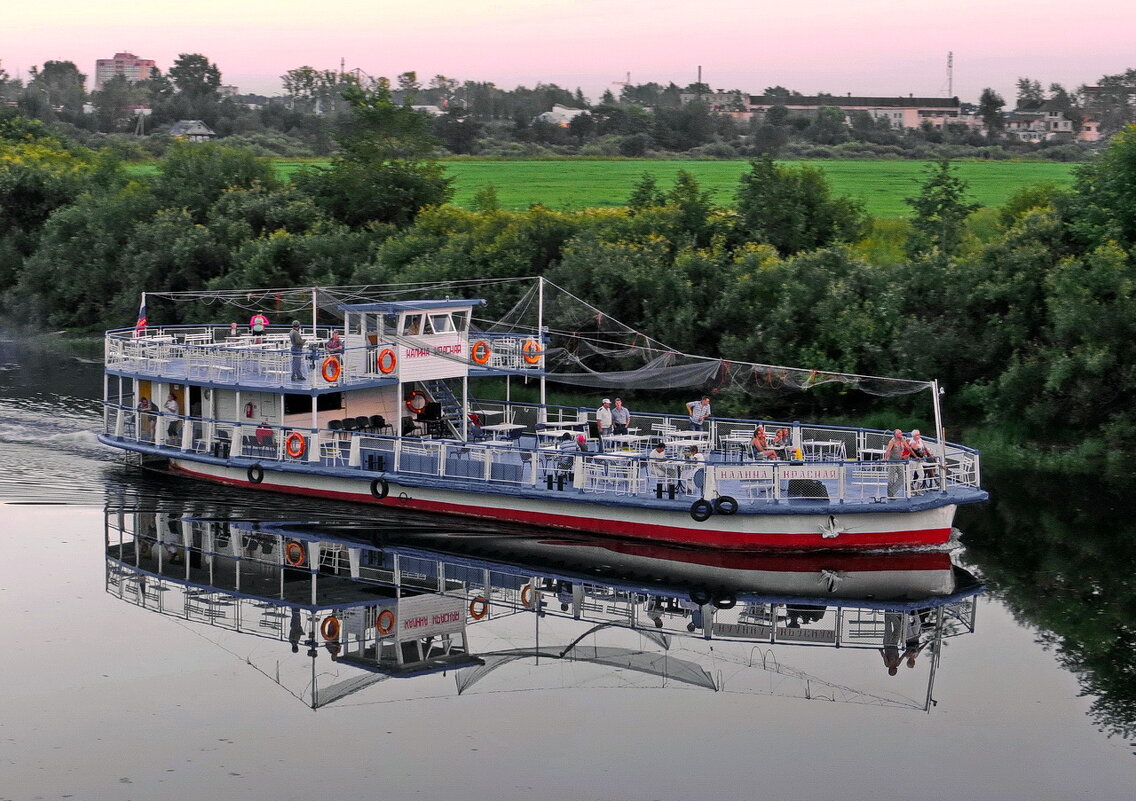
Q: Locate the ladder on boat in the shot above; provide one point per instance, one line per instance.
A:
(451, 407)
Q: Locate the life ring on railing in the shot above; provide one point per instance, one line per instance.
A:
(294, 553)
(384, 623)
(725, 505)
(701, 510)
(416, 401)
(532, 351)
(480, 352)
(331, 369)
(330, 628)
(387, 361)
(379, 488)
(295, 445)
(526, 596)
(478, 608)
(255, 474)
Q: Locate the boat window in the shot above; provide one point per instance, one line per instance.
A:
(353, 323)
(390, 325)
(461, 321)
(412, 325)
(440, 323)
(299, 404)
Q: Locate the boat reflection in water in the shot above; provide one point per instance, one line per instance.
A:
(368, 602)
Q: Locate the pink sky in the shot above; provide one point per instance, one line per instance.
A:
(862, 47)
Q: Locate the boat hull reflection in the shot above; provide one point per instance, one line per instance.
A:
(394, 602)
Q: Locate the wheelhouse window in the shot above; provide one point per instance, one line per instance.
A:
(441, 324)
(412, 325)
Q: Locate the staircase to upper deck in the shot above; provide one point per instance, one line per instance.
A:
(451, 406)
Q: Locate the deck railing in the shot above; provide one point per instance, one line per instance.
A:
(613, 475)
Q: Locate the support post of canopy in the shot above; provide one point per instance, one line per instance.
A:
(315, 311)
(939, 434)
(543, 348)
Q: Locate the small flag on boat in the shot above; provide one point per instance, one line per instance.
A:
(141, 324)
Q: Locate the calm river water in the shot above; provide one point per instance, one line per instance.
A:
(108, 700)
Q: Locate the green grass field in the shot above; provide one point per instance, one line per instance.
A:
(571, 184)
(586, 183)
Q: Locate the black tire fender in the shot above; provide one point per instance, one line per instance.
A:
(725, 505)
(701, 510)
(700, 596)
(726, 601)
(255, 474)
(380, 488)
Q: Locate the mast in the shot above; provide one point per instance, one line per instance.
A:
(544, 348)
(939, 431)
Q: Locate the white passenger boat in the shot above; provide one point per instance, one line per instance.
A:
(395, 416)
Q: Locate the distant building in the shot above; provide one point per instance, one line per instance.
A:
(560, 115)
(1090, 131)
(433, 111)
(1045, 124)
(191, 131)
(901, 112)
(127, 65)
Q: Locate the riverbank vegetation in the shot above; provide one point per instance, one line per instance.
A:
(1024, 311)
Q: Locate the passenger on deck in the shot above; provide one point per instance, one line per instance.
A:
(296, 340)
(334, 344)
(759, 445)
(699, 412)
(568, 449)
(258, 323)
(145, 419)
(582, 442)
(898, 450)
(174, 426)
(603, 417)
(921, 452)
(620, 418)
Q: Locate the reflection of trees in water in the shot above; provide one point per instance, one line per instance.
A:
(1060, 551)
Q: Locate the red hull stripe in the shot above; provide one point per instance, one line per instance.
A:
(620, 528)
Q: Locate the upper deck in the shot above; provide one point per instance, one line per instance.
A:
(211, 355)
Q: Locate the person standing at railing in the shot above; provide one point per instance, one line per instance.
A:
(174, 426)
(296, 339)
(921, 451)
(897, 449)
(334, 344)
(258, 323)
(699, 412)
(620, 418)
(603, 417)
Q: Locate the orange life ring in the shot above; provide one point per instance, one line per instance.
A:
(416, 401)
(480, 352)
(387, 361)
(478, 608)
(294, 553)
(331, 369)
(526, 596)
(532, 351)
(295, 445)
(330, 628)
(384, 623)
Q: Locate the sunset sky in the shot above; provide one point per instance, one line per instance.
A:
(862, 47)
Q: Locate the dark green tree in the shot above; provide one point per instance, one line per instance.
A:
(940, 211)
(1104, 205)
(386, 172)
(990, 105)
(793, 209)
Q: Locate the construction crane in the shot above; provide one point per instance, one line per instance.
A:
(623, 83)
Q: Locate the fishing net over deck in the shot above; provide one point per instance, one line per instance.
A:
(584, 346)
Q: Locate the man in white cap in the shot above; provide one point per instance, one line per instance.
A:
(603, 417)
